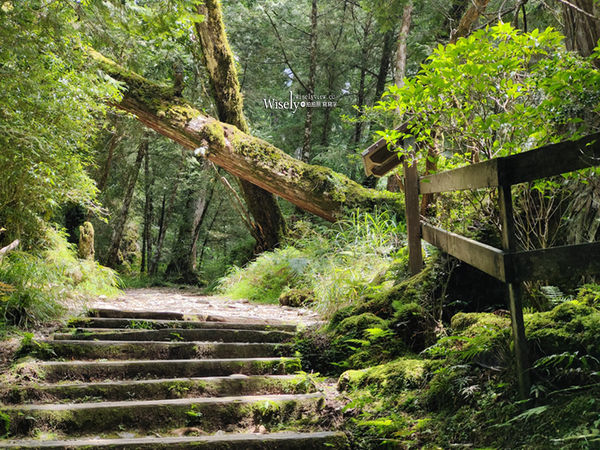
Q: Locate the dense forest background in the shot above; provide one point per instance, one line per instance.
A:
(92, 201)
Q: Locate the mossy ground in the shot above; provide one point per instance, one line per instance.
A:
(417, 383)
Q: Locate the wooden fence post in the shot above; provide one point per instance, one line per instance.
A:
(514, 291)
(413, 217)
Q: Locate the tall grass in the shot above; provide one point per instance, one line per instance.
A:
(34, 285)
(338, 263)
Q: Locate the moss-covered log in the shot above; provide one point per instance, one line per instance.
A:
(269, 227)
(316, 189)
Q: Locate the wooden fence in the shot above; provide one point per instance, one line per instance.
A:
(507, 264)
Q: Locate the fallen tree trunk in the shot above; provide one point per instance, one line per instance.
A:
(14, 244)
(316, 189)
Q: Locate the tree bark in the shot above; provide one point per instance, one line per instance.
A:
(360, 100)
(183, 263)
(165, 219)
(312, 75)
(114, 140)
(316, 189)
(147, 233)
(582, 25)
(220, 64)
(14, 244)
(208, 230)
(401, 54)
(112, 259)
(468, 19)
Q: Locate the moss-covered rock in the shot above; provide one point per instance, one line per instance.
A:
(393, 376)
(569, 327)
(354, 325)
(85, 248)
(297, 297)
(412, 324)
(469, 324)
(418, 289)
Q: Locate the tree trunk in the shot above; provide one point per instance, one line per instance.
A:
(113, 260)
(384, 63)
(165, 219)
(582, 26)
(114, 140)
(220, 64)
(316, 189)
(312, 75)
(183, 265)
(401, 55)
(147, 234)
(468, 19)
(208, 230)
(361, 97)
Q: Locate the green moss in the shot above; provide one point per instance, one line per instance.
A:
(417, 289)
(571, 326)
(390, 377)
(296, 297)
(589, 295)
(215, 134)
(354, 325)
(469, 324)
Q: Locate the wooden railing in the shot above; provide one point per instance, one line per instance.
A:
(507, 264)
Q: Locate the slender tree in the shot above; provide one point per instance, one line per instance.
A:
(581, 25)
(312, 77)
(269, 223)
(113, 259)
(166, 214)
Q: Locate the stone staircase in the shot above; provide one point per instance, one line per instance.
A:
(136, 380)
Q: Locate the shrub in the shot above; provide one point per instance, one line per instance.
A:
(34, 284)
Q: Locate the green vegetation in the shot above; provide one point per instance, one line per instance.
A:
(35, 284)
(335, 263)
(422, 361)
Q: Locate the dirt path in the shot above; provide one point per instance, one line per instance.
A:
(191, 302)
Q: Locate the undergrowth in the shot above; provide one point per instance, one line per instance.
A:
(33, 285)
(337, 263)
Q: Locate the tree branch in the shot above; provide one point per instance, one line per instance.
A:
(316, 189)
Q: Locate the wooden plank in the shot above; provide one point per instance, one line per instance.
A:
(543, 162)
(378, 159)
(551, 160)
(513, 291)
(484, 257)
(556, 262)
(475, 176)
(391, 163)
(413, 218)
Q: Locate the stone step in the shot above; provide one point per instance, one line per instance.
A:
(176, 334)
(241, 441)
(139, 369)
(233, 385)
(85, 349)
(207, 414)
(156, 324)
(166, 315)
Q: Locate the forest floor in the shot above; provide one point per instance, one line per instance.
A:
(191, 301)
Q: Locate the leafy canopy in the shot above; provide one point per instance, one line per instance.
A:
(497, 92)
(49, 103)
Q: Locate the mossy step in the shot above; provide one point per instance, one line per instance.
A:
(85, 349)
(139, 369)
(229, 441)
(167, 315)
(154, 324)
(120, 314)
(176, 334)
(159, 389)
(208, 414)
